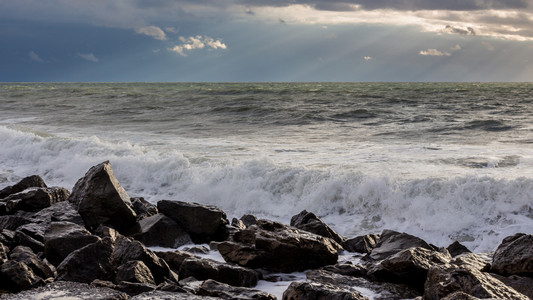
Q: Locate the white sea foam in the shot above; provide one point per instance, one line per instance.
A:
(476, 210)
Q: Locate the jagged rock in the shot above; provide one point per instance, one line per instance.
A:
(196, 249)
(143, 208)
(278, 247)
(347, 269)
(409, 266)
(202, 269)
(100, 199)
(308, 221)
(7, 237)
(3, 253)
(225, 291)
(249, 220)
(521, 284)
(472, 260)
(28, 182)
(514, 256)
(457, 248)
(382, 290)
(134, 288)
(25, 240)
(41, 268)
(34, 230)
(68, 290)
(160, 230)
(62, 238)
(16, 276)
(204, 223)
(392, 242)
(315, 290)
(239, 224)
(134, 271)
(460, 296)
(443, 280)
(57, 212)
(170, 286)
(35, 199)
(174, 258)
(361, 244)
(88, 263)
(162, 295)
(12, 222)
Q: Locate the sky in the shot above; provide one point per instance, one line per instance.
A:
(264, 41)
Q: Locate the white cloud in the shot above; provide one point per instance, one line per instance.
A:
(152, 31)
(197, 42)
(35, 57)
(88, 56)
(434, 52)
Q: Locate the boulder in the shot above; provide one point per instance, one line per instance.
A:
(472, 260)
(347, 269)
(41, 268)
(521, 284)
(57, 212)
(35, 199)
(33, 230)
(249, 220)
(392, 242)
(514, 256)
(443, 280)
(88, 263)
(308, 221)
(160, 230)
(460, 296)
(134, 271)
(237, 223)
(163, 295)
(68, 290)
(457, 248)
(100, 199)
(28, 182)
(175, 258)
(315, 290)
(16, 276)
(134, 288)
(225, 291)
(12, 222)
(62, 238)
(143, 208)
(203, 269)
(278, 247)
(361, 244)
(408, 266)
(7, 237)
(3, 253)
(25, 240)
(204, 223)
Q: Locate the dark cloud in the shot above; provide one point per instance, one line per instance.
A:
(456, 30)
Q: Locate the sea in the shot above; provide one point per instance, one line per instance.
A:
(443, 161)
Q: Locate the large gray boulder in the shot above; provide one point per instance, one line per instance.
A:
(204, 223)
(203, 269)
(392, 242)
(41, 268)
(134, 271)
(361, 244)
(315, 290)
(35, 199)
(62, 238)
(514, 256)
(28, 182)
(225, 291)
(308, 221)
(16, 276)
(160, 230)
(101, 200)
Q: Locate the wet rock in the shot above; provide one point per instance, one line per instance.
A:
(457, 248)
(315, 290)
(361, 244)
(7, 237)
(472, 260)
(160, 230)
(135, 271)
(249, 220)
(33, 230)
(514, 256)
(12, 222)
(225, 291)
(202, 269)
(35, 199)
(143, 208)
(521, 284)
(68, 290)
(238, 224)
(57, 212)
(100, 199)
(163, 295)
(62, 238)
(174, 258)
(308, 221)
(408, 266)
(3, 253)
(28, 182)
(204, 223)
(41, 268)
(134, 288)
(460, 296)
(347, 269)
(443, 280)
(88, 263)
(16, 276)
(25, 240)
(278, 247)
(392, 242)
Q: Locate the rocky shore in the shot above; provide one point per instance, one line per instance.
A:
(91, 243)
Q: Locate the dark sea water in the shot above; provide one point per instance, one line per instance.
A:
(444, 161)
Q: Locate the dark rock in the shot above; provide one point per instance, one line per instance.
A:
(225, 291)
(3, 253)
(41, 268)
(315, 290)
(392, 242)
(460, 296)
(162, 295)
(12, 222)
(383, 290)
(237, 224)
(25, 240)
(202, 269)
(249, 220)
(196, 249)
(62, 238)
(68, 290)
(175, 258)
(16, 276)
(134, 288)
(143, 208)
(443, 280)
(134, 271)
(7, 237)
(457, 248)
(472, 260)
(514, 256)
(361, 244)
(347, 270)
(204, 223)
(522, 285)
(100, 199)
(309, 222)
(57, 212)
(278, 247)
(88, 263)
(33, 230)
(35, 199)
(28, 182)
(170, 286)
(408, 266)
(160, 230)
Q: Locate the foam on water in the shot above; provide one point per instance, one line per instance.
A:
(476, 210)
